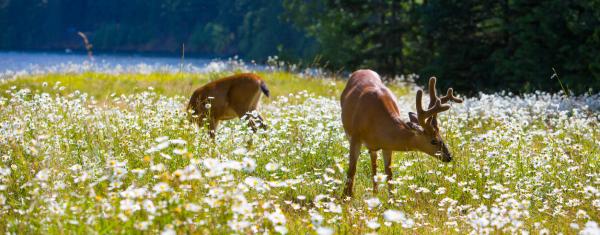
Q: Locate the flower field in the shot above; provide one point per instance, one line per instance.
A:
(95, 152)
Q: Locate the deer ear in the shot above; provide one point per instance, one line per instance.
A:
(414, 126)
(413, 117)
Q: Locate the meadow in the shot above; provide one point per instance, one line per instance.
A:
(97, 152)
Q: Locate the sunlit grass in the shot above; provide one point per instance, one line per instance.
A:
(70, 162)
(102, 85)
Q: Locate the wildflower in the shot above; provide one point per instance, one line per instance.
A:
(240, 151)
(373, 224)
(373, 202)
(123, 217)
(161, 139)
(165, 156)
(393, 215)
(129, 206)
(281, 229)
(162, 146)
(255, 183)
(168, 231)
(271, 166)
(324, 231)
(440, 190)
(42, 175)
(243, 208)
(139, 172)
(238, 225)
(276, 217)
(380, 178)
(398, 217)
(142, 226)
(149, 206)
(178, 142)
(316, 218)
(248, 164)
(334, 208)
(591, 228)
(161, 187)
(179, 151)
(75, 168)
(192, 207)
(157, 167)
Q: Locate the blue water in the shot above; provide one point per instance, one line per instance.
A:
(17, 61)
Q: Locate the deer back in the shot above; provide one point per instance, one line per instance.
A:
(368, 108)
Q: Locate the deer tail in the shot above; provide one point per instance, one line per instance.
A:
(264, 89)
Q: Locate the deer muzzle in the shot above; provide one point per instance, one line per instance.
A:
(446, 155)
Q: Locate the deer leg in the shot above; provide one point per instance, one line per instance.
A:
(196, 117)
(255, 122)
(262, 122)
(212, 127)
(353, 157)
(252, 124)
(373, 169)
(248, 117)
(387, 161)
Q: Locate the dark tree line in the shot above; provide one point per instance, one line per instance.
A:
(251, 28)
(472, 44)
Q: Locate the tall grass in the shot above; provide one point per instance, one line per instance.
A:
(100, 153)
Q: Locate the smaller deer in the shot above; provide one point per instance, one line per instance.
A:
(371, 117)
(227, 98)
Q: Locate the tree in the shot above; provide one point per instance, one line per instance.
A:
(475, 45)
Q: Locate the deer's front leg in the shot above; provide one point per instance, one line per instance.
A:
(373, 169)
(262, 122)
(353, 157)
(387, 161)
(212, 127)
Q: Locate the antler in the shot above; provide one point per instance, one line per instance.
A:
(432, 93)
(444, 99)
(434, 109)
(450, 96)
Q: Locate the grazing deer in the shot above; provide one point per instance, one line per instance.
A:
(227, 98)
(371, 117)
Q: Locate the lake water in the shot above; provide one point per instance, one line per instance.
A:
(16, 61)
(14, 64)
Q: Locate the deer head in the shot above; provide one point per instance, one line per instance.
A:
(425, 124)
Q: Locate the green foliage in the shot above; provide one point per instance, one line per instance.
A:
(513, 44)
(474, 45)
(222, 28)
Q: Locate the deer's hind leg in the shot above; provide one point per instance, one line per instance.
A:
(373, 169)
(352, 159)
(212, 127)
(248, 109)
(387, 161)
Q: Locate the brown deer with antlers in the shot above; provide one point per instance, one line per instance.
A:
(371, 117)
(227, 98)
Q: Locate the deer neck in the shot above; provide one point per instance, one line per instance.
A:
(399, 136)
